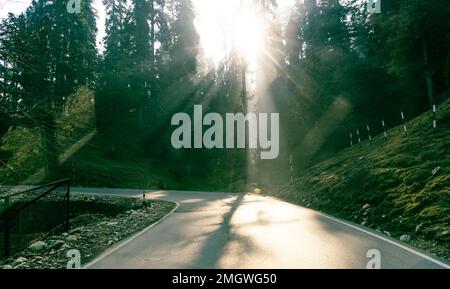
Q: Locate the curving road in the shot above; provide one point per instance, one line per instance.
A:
(220, 230)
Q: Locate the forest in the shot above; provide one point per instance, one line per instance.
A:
(327, 67)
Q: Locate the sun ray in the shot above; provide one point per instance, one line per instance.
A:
(225, 26)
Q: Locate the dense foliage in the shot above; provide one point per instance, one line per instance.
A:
(334, 68)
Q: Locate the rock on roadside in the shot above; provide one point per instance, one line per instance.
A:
(405, 238)
(38, 246)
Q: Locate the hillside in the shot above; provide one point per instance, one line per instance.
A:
(86, 157)
(400, 186)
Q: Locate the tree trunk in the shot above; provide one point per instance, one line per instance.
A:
(428, 73)
(152, 37)
(50, 145)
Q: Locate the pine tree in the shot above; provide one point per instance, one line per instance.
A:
(48, 64)
(113, 101)
(186, 40)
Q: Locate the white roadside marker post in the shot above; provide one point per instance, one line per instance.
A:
(351, 139)
(373, 6)
(359, 137)
(404, 123)
(368, 131)
(384, 129)
(434, 116)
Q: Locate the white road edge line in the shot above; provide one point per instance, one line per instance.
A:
(429, 258)
(128, 240)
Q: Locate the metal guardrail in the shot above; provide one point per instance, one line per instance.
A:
(10, 212)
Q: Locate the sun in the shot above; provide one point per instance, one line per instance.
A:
(250, 36)
(229, 25)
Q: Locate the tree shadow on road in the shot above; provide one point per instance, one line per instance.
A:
(215, 245)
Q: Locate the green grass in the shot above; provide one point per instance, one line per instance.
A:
(22, 157)
(89, 161)
(93, 166)
(22, 154)
(394, 177)
(23, 146)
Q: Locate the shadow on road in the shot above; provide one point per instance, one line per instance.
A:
(215, 244)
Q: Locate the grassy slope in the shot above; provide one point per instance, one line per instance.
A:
(22, 154)
(394, 177)
(22, 150)
(93, 166)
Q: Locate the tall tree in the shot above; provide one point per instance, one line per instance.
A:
(48, 64)
(113, 86)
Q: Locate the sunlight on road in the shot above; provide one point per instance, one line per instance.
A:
(259, 240)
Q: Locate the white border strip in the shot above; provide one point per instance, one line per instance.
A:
(429, 258)
(128, 240)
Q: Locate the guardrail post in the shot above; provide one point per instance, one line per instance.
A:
(143, 200)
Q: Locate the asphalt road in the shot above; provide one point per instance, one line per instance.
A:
(220, 230)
